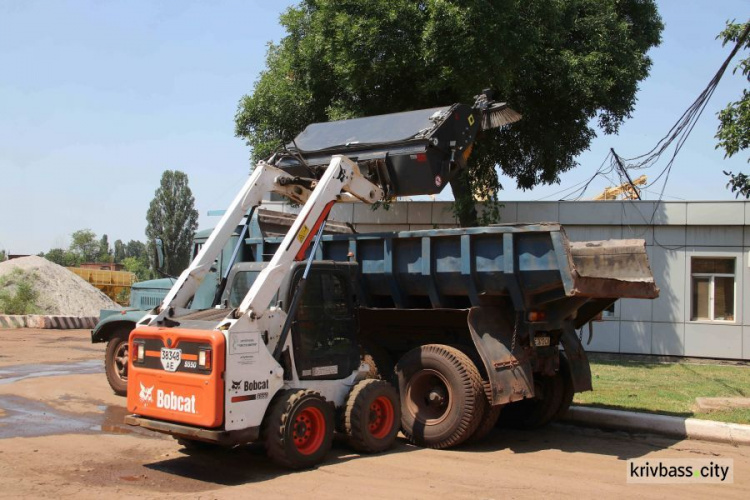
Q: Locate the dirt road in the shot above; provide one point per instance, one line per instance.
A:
(61, 435)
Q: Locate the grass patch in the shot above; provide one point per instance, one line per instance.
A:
(667, 388)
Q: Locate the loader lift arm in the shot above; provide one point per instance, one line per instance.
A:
(414, 152)
(342, 181)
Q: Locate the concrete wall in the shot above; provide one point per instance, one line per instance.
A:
(674, 232)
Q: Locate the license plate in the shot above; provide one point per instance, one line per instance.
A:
(541, 341)
(170, 358)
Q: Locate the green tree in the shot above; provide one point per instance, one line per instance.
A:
(119, 251)
(61, 257)
(135, 249)
(2, 255)
(139, 266)
(172, 217)
(734, 120)
(105, 253)
(560, 64)
(84, 246)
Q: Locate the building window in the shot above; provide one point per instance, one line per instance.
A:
(609, 312)
(712, 281)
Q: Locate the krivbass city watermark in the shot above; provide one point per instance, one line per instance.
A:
(680, 470)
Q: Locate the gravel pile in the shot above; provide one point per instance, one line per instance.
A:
(60, 291)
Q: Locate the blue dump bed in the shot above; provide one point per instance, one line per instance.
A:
(533, 265)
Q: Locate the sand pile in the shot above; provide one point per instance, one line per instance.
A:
(60, 291)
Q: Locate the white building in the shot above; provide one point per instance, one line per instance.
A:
(699, 254)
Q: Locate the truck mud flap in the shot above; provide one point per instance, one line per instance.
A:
(510, 374)
(580, 370)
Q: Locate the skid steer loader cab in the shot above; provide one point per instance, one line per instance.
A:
(324, 329)
(179, 374)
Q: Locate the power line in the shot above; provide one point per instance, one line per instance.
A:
(677, 135)
(681, 130)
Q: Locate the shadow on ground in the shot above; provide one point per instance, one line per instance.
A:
(247, 464)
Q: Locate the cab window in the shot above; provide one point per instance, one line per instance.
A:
(241, 283)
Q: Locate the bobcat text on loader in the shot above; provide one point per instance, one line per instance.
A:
(467, 322)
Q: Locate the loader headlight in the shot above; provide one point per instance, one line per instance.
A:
(140, 352)
(204, 359)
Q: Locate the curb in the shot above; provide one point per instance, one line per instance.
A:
(48, 321)
(679, 427)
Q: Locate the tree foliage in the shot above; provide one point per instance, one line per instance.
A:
(119, 251)
(136, 249)
(84, 246)
(734, 120)
(561, 64)
(105, 253)
(62, 257)
(172, 217)
(138, 266)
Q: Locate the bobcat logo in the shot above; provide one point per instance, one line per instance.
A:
(236, 385)
(145, 394)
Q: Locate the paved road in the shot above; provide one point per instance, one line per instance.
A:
(61, 435)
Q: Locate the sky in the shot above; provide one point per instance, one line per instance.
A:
(98, 98)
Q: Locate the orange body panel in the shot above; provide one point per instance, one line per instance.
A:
(189, 395)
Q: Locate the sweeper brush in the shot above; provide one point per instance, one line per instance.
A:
(407, 153)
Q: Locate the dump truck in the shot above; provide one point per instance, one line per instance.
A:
(434, 333)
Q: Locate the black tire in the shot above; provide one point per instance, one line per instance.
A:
(442, 399)
(298, 428)
(568, 392)
(515, 414)
(116, 360)
(547, 403)
(372, 416)
(488, 423)
(535, 412)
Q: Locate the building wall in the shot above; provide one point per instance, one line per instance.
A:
(674, 232)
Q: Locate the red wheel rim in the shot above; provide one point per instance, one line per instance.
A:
(309, 430)
(381, 417)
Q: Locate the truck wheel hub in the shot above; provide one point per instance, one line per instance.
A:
(428, 396)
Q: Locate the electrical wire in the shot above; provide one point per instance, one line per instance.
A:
(677, 136)
(681, 130)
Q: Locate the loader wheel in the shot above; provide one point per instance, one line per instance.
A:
(442, 401)
(116, 361)
(381, 364)
(568, 392)
(298, 428)
(372, 416)
(535, 412)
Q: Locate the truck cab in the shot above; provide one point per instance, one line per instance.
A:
(115, 325)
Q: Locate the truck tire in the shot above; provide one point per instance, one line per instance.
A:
(538, 411)
(298, 428)
(568, 392)
(488, 423)
(442, 400)
(116, 360)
